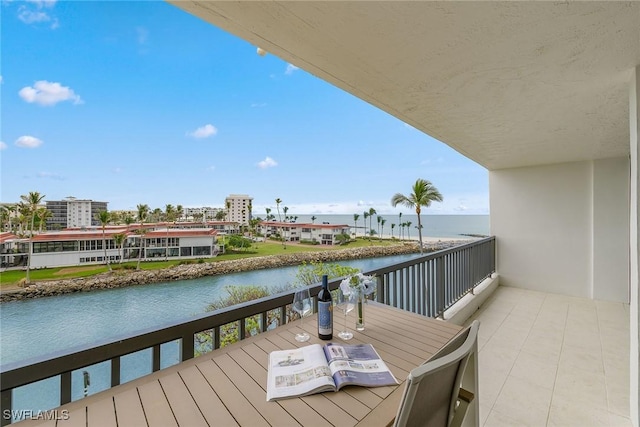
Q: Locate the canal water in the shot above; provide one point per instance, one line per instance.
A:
(37, 327)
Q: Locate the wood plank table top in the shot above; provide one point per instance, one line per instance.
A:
(227, 387)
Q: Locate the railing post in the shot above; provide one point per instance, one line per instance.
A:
(115, 371)
(187, 346)
(65, 387)
(6, 405)
(440, 291)
(155, 358)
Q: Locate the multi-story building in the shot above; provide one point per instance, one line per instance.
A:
(238, 208)
(204, 213)
(72, 212)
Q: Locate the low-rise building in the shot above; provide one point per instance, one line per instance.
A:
(324, 234)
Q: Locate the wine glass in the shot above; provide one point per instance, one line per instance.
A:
(346, 303)
(302, 305)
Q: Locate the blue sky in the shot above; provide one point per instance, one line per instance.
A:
(140, 102)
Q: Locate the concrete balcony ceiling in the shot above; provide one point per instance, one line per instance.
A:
(507, 84)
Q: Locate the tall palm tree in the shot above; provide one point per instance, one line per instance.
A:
(104, 218)
(43, 214)
(179, 212)
(408, 225)
(400, 225)
(379, 219)
(170, 216)
(382, 221)
(31, 201)
(356, 217)
(423, 193)
(365, 215)
(268, 210)
(393, 225)
(313, 219)
(372, 212)
(143, 212)
(119, 239)
(278, 201)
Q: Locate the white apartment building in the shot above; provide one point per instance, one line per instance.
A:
(73, 213)
(203, 213)
(239, 208)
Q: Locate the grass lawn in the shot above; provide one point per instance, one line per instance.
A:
(9, 279)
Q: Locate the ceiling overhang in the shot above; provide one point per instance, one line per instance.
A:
(507, 84)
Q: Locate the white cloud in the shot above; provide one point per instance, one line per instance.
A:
(27, 141)
(33, 12)
(268, 162)
(3, 145)
(49, 175)
(204, 132)
(48, 93)
(290, 69)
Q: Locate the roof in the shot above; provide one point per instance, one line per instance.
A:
(507, 84)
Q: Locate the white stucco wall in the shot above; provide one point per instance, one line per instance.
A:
(611, 230)
(541, 217)
(563, 228)
(634, 249)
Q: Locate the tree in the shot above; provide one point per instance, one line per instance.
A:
(372, 212)
(392, 227)
(408, 225)
(143, 212)
(170, 216)
(284, 244)
(268, 210)
(365, 215)
(179, 211)
(313, 219)
(31, 202)
(382, 222)
(379, 219)
(119, 240)
(400, 225)
(355, 224)
(343, 238)
(423, 193)
(104, 218)
(42, 215)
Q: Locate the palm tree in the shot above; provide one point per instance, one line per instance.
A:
(170, 216)
(382, 221)
(356, 217)
(392, 227)
(268, 210)
(31, 201)
(220, 215)
(408, 225)
(119, 241)
(143, 212)
(285, 210)
(179, 211)
(379, 219)
(278, 201)
(43, 215)
(423, 193)
(365, 215)
(372, 212)
(104, 218)
(400, 224)
(313, 219)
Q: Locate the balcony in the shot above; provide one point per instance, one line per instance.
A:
(544, 359)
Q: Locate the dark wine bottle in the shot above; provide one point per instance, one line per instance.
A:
(325, 311)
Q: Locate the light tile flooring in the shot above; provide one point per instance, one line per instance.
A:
(552, 360)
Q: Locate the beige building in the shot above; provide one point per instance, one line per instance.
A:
(238, 208)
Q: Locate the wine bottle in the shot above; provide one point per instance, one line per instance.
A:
(325, 311)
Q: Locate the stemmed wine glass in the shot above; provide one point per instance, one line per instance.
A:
(302, 305)
(346, 303)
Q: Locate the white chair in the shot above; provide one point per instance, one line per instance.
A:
(433, 395)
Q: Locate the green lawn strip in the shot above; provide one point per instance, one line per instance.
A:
(11, 277)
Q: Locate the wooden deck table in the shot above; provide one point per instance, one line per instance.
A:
(227, 387)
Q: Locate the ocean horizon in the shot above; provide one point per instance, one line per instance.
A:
(438, 226)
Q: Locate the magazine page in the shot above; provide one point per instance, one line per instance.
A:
(298, 372)
(357, 364)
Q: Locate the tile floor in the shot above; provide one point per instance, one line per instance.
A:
(552, 360)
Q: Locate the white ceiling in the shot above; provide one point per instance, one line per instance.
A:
(507, 84)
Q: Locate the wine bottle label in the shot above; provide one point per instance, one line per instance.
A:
(325, 324)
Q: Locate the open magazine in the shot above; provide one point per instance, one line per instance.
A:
(315, 368)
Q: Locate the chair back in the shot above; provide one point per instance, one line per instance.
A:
(431, 389)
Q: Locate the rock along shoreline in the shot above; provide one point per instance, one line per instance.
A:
(123, 278)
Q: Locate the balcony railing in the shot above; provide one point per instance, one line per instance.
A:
(426, 285)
